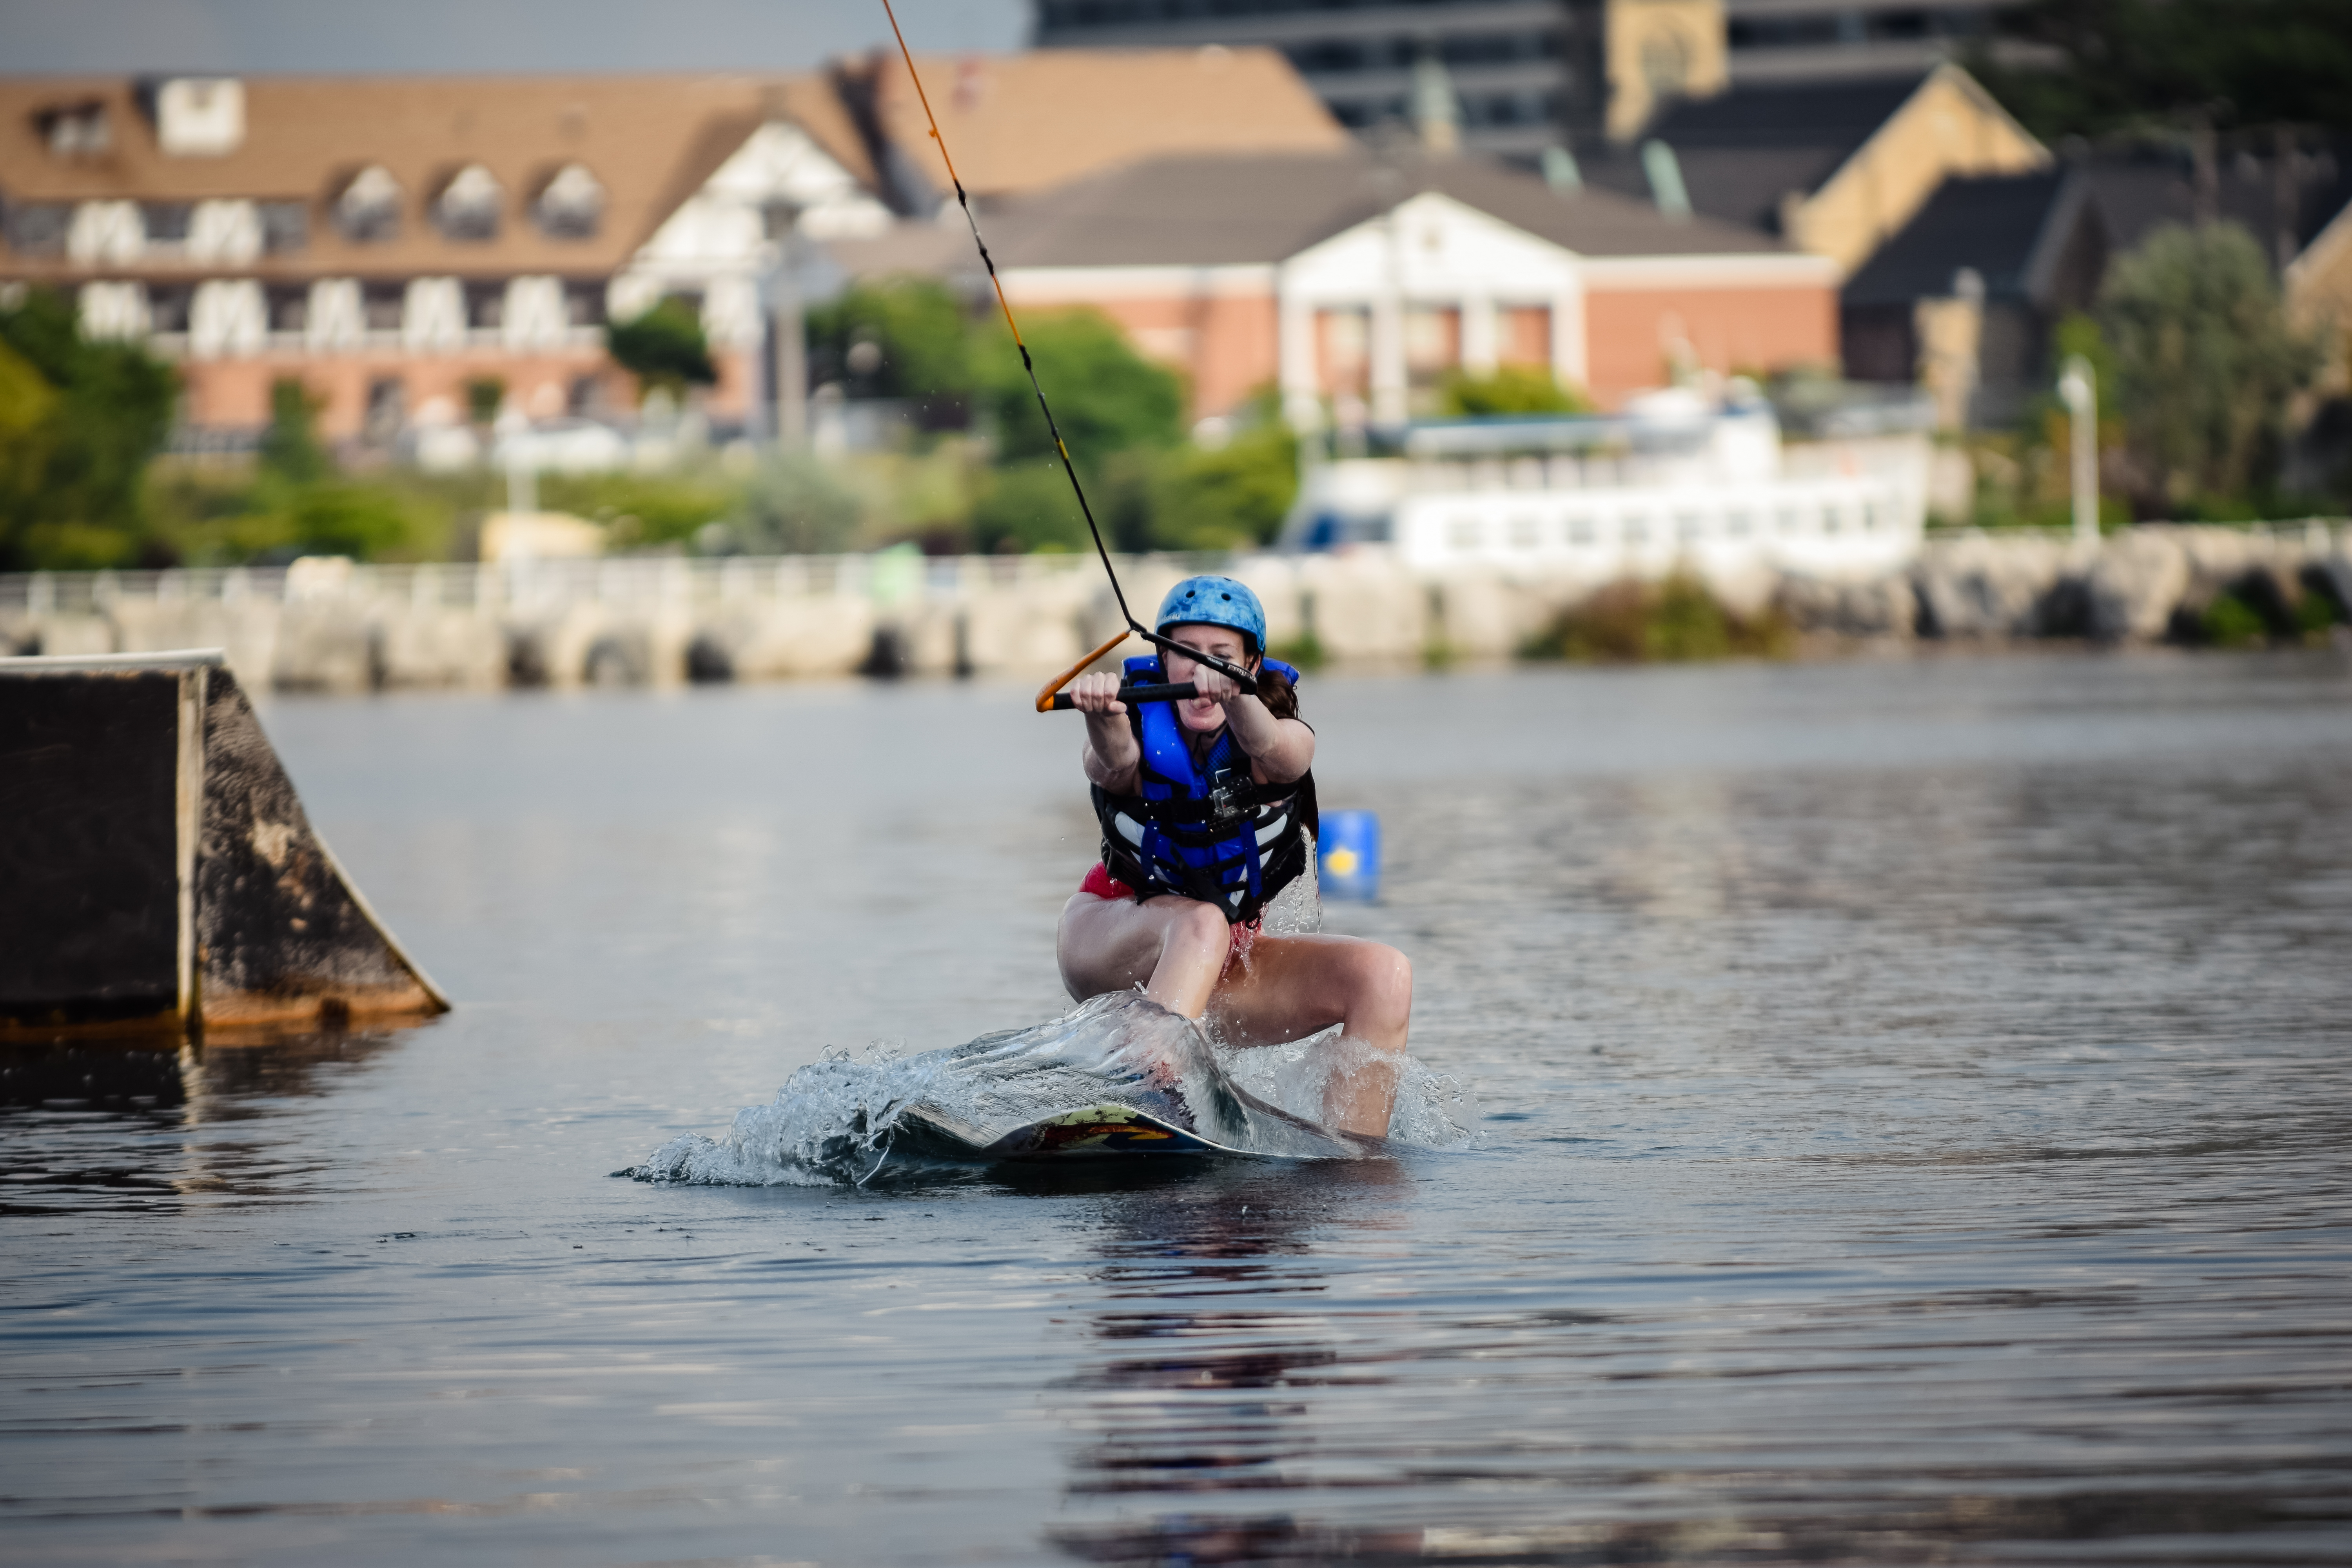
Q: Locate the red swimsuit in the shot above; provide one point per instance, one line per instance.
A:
(1103, 885)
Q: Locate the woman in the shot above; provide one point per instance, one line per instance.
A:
(1205, 805)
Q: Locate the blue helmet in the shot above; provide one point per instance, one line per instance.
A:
(1214, 602)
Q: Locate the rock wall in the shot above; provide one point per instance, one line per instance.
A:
(635, 622)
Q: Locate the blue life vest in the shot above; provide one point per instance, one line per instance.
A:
(1200, 826)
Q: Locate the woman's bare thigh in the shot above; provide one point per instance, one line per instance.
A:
(1114, 945)
(1286, 988)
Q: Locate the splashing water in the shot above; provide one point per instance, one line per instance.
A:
(844, 1120)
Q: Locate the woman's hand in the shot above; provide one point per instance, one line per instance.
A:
(1098, 694)
(1215, 686)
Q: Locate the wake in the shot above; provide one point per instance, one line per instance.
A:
(845, 1120)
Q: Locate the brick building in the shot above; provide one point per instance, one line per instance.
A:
(1349, 277)
(390, 240)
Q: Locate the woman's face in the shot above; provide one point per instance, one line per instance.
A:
(1203, 714)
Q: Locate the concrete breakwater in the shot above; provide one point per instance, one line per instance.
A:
(326, 624)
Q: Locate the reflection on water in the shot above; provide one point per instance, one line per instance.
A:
(88, 1124)
(1914, 1103)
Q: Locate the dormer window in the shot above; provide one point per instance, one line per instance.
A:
(467, 208)
(369, 208)
(572, 204)
(75, 130)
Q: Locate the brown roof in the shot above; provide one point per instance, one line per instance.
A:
(1215, 211)
(651, 140)
(1017, 123)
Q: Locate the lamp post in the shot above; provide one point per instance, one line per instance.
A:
(791, 360)
(2079, 390)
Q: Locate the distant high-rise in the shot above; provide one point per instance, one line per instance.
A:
(1824, 40)
(1522, 71)
(1529, 74)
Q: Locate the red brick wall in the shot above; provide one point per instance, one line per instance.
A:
(1226, 346)
(1627, 331)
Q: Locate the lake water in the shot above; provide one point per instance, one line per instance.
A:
(1914, 1103)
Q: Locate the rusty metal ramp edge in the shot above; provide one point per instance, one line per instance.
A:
(162, 871)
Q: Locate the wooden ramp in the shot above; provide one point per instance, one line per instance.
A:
(157, 872)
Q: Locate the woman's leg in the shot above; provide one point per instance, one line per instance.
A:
(1174, 948)
(1293, 986)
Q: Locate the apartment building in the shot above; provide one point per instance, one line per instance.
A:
(394, 241)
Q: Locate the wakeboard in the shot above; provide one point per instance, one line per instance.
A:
(1089, 1132)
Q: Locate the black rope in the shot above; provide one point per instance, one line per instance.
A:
(1061, 448)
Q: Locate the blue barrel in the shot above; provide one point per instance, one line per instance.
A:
(1347, 855)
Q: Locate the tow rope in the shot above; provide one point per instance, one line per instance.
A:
(1134, 627)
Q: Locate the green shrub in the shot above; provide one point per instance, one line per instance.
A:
(1107, 397)
(79, 419)
(664, 347)
(1028, 506)
(793, 505)
(1509, 389)
(1674, 621)
(2231, 622)
(920, 333)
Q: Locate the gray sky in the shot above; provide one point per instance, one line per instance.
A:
(233, 36)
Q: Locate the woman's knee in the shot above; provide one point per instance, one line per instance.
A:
(1197, 931)
(1381, 983)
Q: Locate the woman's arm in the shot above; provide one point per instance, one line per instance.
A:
(1112, 756)
(1283, 749)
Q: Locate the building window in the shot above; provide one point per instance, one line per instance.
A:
(383, 306)
(467, 206)
(167, 224)
(1526, 335)
(38, 229)
(284, 226)
(368, 210)
(1343, 351)
(1433, 343)
(289, 305)
(570, 206)
(75, 130)
(167, 308)
(583, 302)
(486, 307)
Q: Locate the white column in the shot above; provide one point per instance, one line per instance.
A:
(1481, 334)
(106, 231)
(113, 309)
(229, 316)
(1302, 402)
(225, 233)
(334, 320)
(434, 315)
(1387, 372)
(1569, 365)
(534, 317)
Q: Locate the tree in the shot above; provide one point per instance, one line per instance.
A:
(2130, 62)
(793, 505)
(663, 347)
(2205, 361)
(906, 338)
(289, 447)
(1509, 389)
(78, 448)
(1107, 397)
